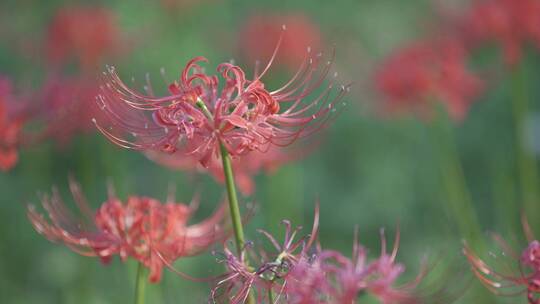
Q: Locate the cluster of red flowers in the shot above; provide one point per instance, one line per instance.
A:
(436, 69)
(300, 272)
(144, 229)
(65, 104)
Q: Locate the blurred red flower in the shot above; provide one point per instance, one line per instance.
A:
(86, 34)
(510, 23)
(12, 119)
(142, 228)
(261, 31)
(415, 77)
(67, 106)
(197, 117)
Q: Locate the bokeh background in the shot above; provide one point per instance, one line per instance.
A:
(368, 169)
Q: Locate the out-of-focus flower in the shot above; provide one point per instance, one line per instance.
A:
(518, 275)
(334, 278)
(245, 166)
(197, 117)
(67, 106)
(415, 77)
(261, 31)
(86, 34)
(11, 123)
(299, 272)
(510, 23)
(142, 228)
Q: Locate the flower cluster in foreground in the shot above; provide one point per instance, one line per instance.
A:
(519, 274)
(142, 228)
(301, 272)
(200, 117)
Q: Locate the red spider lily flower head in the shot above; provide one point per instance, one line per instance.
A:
(245, 166)
(512, 281)
(12, 119)
(198, 117)
(67, 107)
(510, 23)
(241, 279)
(261, 31)
(87, 34)
(142, 228)
(415, 76)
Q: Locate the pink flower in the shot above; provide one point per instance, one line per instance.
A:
(86, 34)
(240, 280)
(197, 117)
(415, 77)
(298, 272)
(261, 31)
(510, 23)
(330, 277)
(142, 228)
(512, 280)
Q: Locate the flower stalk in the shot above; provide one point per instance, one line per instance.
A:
(526, 161)
(232, 197)
(140, 285)
(453, 179)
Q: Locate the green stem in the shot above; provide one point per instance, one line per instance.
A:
(526, 161)
(459, 199)
(140, 284)
(234, 208)
(270, 296)
(233, 199)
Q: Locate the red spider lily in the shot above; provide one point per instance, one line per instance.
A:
(87, 34)
(197, 117)
(299, 273)
(235, 286)
(415, 76)
(510, 23)
(261, 31)
(334, 278)
(155, 234)
(67, 106)
(510, 280)
(245, 167)
(11, 123)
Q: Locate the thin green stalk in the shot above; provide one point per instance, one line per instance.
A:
(270, 296)
(526, 161)
(140, 284)
(460, 203)
(232, 197)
